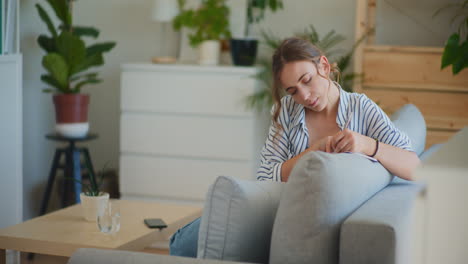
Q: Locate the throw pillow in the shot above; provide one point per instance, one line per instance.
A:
(323, 190)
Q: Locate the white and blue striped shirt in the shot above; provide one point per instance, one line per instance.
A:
(367, 119)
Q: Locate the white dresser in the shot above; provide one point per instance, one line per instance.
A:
(182, 126)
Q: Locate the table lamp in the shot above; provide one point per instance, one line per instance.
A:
(163, 12)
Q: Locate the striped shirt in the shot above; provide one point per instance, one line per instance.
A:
(366, 118)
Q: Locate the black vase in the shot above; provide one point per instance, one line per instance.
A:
(244, 51)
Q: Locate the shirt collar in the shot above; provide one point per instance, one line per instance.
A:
(298, 112)
(343, 107)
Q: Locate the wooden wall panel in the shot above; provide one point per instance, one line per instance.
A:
(409, 68)
(441, 110)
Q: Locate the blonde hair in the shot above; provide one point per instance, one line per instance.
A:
(291, 50)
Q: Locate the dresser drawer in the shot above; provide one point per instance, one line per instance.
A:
(186, 92)
(180, 179)
(188, 136)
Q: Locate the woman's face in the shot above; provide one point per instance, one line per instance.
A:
(301, 80)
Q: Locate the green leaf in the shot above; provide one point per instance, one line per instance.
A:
(88, 75)
(45, 17)
(80, 84)
(58, 68)
(100, 48)
(90, 61)
(462, 60)
(209, 22)
(343, 62)
(47, 44)
(85, 31)
(451, 51)
(61, 11)
(51, 81)
(73, 49)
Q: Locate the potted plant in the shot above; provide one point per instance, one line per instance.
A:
(209, 23)
(92, 197)
(66, 61)
(244, 50)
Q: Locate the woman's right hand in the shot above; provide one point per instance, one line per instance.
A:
(324, 144)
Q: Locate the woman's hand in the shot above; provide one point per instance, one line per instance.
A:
(348, 140)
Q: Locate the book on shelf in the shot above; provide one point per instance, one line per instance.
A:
(10, 27)
(1, 27)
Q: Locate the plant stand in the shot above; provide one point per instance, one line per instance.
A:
(72, 168)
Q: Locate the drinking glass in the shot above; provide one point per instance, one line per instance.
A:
(108, 219)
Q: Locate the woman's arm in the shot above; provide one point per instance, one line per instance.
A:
(398, 161)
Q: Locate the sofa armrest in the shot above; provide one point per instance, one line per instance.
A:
(238, 219)
(378, 232)
(103, 256)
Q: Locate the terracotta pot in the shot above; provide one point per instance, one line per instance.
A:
(71, 114)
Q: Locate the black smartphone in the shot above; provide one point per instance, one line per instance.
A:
(155, 223)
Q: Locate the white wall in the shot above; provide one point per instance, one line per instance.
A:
(125, 21)
(128, 23)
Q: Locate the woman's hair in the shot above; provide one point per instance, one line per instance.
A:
(291, 50)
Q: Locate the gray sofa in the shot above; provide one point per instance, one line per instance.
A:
(344, 215)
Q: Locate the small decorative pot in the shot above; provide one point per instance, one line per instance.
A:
(208, 52)
(244, 51)
(71, 114)
(92, 204)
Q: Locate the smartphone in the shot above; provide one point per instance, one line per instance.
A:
(155, 223)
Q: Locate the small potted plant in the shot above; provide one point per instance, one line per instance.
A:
(92, 197)
(209, 24)
(66, 61)
(244, 50)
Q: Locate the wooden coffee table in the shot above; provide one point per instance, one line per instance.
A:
(62, 232)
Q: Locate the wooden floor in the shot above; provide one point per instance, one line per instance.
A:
(45, 259)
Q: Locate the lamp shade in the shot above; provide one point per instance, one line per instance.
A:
(164, 10)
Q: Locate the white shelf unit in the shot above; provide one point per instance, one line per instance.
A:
(11, 118)
(184, 125)
(11, 140)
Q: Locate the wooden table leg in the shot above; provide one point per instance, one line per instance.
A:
(2, 256)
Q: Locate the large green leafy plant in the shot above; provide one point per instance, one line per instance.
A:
(209, 22)
(456, 47)
(262, 99)
(67, 57)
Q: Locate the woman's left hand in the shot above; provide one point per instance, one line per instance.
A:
(348, 140)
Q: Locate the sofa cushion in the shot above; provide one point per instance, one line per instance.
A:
(238, 219)
(322, 190)
(410, 120)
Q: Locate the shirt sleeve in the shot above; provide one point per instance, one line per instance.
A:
(380, 127)
(274, 152)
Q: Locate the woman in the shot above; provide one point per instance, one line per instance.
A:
(316, 115)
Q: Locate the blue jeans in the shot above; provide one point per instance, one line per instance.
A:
(184, 242)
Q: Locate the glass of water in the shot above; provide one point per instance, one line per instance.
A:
(108, 219)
